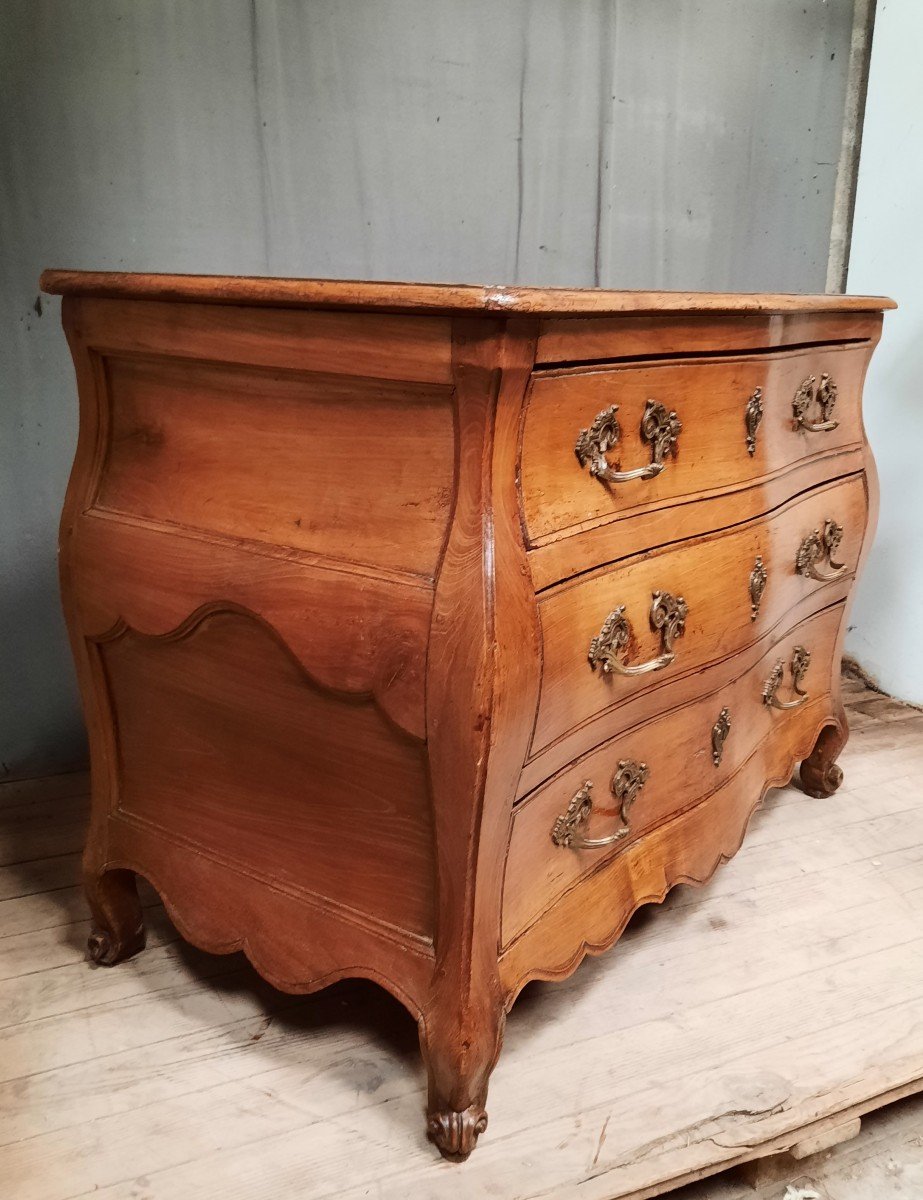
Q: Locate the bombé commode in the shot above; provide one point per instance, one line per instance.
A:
(424, 632)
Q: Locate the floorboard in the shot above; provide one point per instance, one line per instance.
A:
(732, 1022)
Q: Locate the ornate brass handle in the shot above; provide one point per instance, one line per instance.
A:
(659, 426)
(801, 660)
(668, 615)
(826, 401)
(628, 780)
(817, 546)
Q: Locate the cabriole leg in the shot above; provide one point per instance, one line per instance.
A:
(820, 774)
(460, 1050)
(118, 924)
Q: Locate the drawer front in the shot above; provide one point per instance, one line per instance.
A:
(630, 335)
(621, 631)
(636, 781)
(602, 443)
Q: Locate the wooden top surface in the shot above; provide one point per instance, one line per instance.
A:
(435, 297)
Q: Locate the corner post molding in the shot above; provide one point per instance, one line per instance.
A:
(482, 687)
(118, 923)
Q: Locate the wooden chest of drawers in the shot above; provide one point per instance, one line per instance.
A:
(424, 633)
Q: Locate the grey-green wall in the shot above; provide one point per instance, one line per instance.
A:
(627, 143)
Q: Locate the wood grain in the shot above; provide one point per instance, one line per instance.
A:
(685, 850)
(211, 722)
(572, 339)
(677, 748)
(641, 530)
(481, 692)
(164, 462)
(710, 397)
(351, 630)
(370, 346)
(712, 574)
(417, 297)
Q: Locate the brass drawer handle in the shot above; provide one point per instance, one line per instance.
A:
(826, 401)
(753, 414)
(659, 426)
(817, 546)
(626, 783)
(668, 614)
(801, 660)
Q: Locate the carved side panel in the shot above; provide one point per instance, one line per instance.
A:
(316, 498)
(351, 632)
(255, 709)
(355, 469)
(225, 745)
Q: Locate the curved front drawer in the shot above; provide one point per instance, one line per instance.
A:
(717, 594)
(599, 443)
(650, 773)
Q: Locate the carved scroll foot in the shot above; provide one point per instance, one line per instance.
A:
(460, 1050)
(118, 925)
(456, 1133)
(820, 774)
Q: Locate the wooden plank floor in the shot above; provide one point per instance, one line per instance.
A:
(885, 1162)
(731, 1021)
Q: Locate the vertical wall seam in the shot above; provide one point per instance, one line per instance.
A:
(847, 175)
(265, 189)
(520, 157)
(608, 16)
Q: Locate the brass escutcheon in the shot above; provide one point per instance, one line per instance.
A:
(719, 733)
(758, 577)
(753, 414)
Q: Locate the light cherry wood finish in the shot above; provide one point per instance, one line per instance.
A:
(563, 340)
(426, 297)
(712, 574)
(678, 749)
(330, 567)
(710, 397)
(201, 693)
(311, 427)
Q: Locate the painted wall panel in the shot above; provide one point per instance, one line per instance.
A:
(631, 143)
